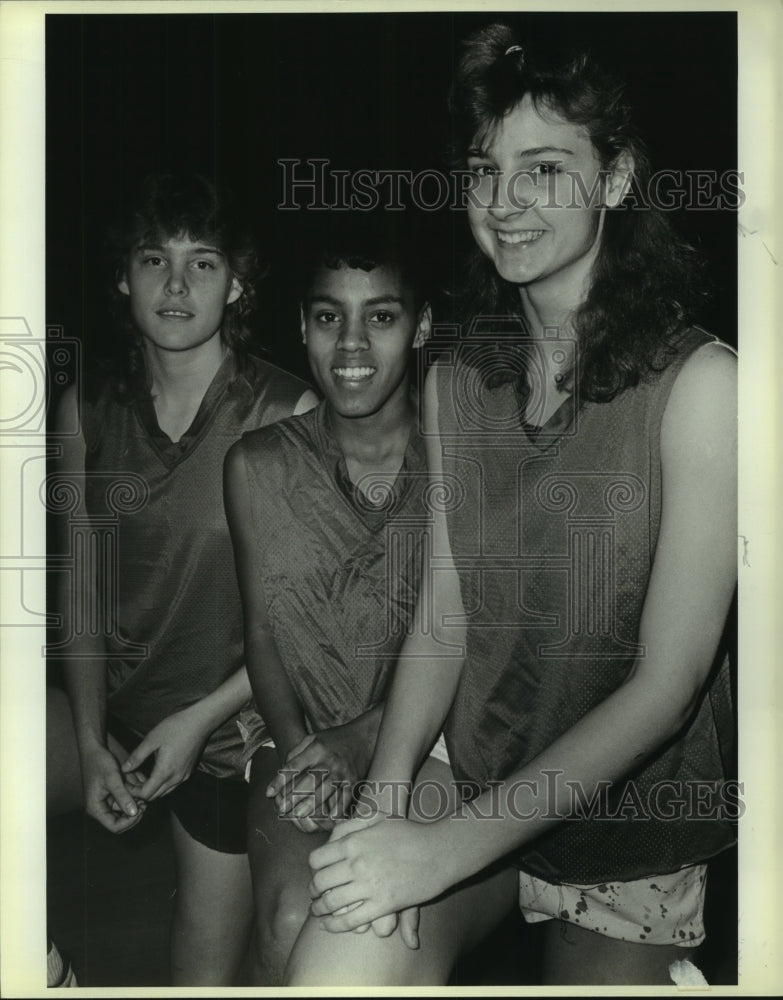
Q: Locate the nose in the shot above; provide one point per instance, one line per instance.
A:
(176, 282)
(514, 192)
(353, 336)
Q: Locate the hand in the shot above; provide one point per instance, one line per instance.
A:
(320, 773)
(407, 920)
(376, 867)
(304, 795)
(319, 803)
(109, 796)
(133, 782)
(177, 743)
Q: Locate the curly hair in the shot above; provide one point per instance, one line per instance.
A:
(648, 284)
(168, 205)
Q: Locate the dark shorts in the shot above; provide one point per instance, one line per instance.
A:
(212, 810)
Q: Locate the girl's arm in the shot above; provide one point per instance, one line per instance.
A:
(430, 662)
(274, 694)
(319, 769)
(85, 669)
(178, 740)
(393, 865)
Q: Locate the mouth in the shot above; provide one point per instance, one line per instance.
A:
(174, 314)
(354, 373)
(523, 236)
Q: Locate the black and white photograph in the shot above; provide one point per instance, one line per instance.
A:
(385, 559)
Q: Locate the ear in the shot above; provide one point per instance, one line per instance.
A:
(234, 291)
(122, 284)
(620, 179)
(302, 324)
(424, 326)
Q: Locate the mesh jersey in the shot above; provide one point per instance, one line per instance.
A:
(340, 566)
(554, 538)
(178, 599)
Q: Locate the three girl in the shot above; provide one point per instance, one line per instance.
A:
(580, 581)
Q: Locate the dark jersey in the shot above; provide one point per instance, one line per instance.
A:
(340, 566)
(177, 599)
(554, 541)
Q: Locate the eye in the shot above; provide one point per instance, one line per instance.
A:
(204, 265)
(546, 168)
(483, 169)
(383, 317)
(152, 260)
(326, 317)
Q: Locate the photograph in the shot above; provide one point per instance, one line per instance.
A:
(371, 552)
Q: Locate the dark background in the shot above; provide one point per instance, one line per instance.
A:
(231, 94)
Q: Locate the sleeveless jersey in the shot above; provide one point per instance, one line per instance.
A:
(553, 536)
(176, 631)
(340, 569)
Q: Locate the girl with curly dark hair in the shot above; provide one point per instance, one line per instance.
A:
(582, 430)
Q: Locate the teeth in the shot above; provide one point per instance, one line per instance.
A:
(354, 373)
(173, 312)
(527, 236)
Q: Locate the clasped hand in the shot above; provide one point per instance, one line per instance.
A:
(316, 783)
(116, 795)
(110, 797)
(374, 870)
(177, 743)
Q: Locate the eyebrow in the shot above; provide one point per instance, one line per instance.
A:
(148, 247)
(376, 301)
(523, 153)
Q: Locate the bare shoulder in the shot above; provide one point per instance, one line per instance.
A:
(234, 462)
(67, 413)
(236, 494)
(67, 433)
(307, 401)
(710, 367)
(430, 412)
(704, 394)
(699, 424)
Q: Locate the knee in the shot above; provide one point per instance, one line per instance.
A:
(280, 914)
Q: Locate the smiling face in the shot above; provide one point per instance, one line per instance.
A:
(178, 292)
(532, 218)
(359, 327)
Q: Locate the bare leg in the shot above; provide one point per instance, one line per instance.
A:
(575, 956)
(212, 914)
(63, 784)
(278, 854)
(449, 927)
(213, 907)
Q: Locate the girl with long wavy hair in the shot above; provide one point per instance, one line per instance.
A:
(582, 431)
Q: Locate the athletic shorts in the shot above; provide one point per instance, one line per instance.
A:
(661, 909)
(212, 810)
